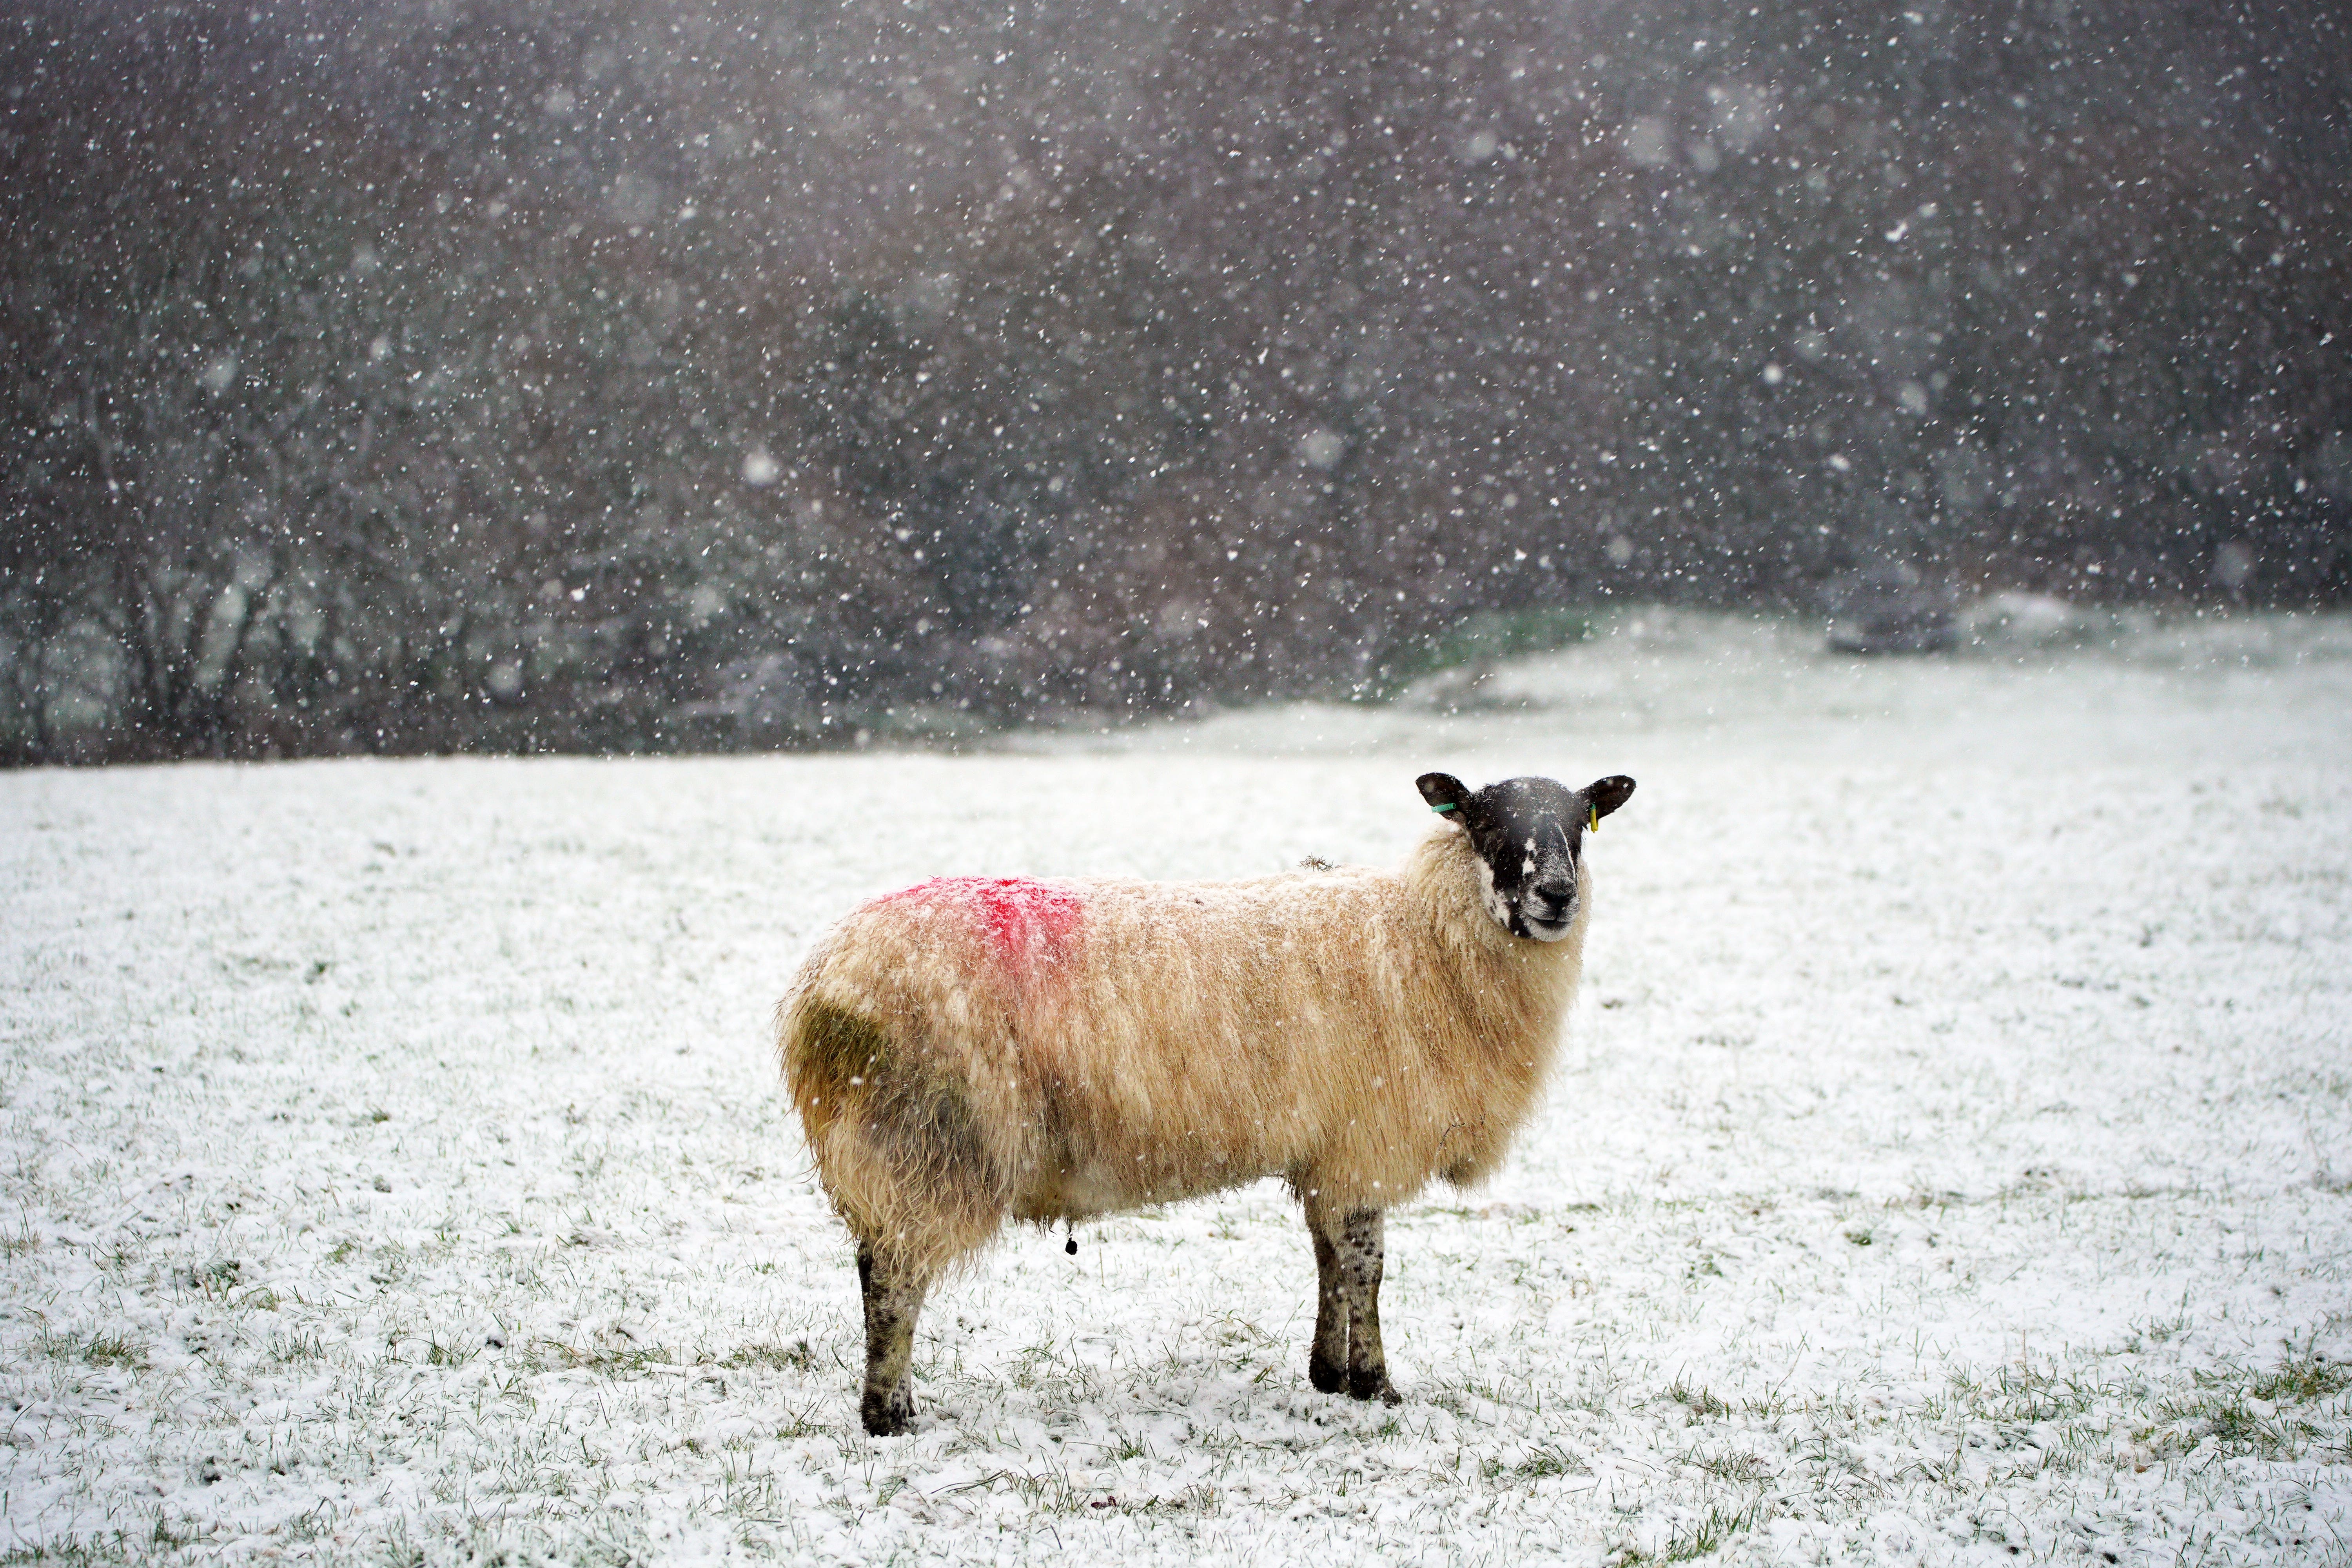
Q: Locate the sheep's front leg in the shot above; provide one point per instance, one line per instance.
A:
(1347, 1258)
(1359, 1246)
(893, 1298)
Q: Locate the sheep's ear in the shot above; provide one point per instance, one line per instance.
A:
(1603, 796)
(1444, 794)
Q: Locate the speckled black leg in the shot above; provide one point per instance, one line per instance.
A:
(1348, 1258)
(892, 1301)
(1327, 1362)
(1359, 1247)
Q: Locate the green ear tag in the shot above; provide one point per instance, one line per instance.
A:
(1595, 823)
(1445, 808)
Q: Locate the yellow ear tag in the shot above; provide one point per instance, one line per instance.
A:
(1595, 823)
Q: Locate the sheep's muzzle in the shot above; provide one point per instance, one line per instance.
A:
(1547, 911)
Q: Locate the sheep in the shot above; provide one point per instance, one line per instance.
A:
(971, 1049)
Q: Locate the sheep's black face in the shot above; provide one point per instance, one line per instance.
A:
(1530, 836)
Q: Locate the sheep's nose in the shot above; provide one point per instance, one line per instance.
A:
(1548, 900)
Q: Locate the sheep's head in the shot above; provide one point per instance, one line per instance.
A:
(1529, 836)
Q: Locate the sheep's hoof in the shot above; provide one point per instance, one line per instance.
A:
(1327, 1377)
(887, 1415)
(1372, 1384)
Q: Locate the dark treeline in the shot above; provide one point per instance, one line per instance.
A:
(459, 374)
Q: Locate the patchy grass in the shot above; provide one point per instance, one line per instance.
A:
(103, 1349)
(449, 1210)
(2277, 1414)
(795, 1357)
(1698, 1400)
(1714, 1529)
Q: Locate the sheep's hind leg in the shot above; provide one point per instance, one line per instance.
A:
(1327, 1362)
(893, 1297)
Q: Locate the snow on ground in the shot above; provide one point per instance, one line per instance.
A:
(1950, 1159)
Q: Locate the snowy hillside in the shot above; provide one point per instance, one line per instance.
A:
(1950, 1159)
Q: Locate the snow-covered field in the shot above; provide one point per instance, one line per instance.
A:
(1951, 1157)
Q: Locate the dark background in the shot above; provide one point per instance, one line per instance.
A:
(455, 374)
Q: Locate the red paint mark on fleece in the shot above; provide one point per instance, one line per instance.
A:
(1024, 920)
